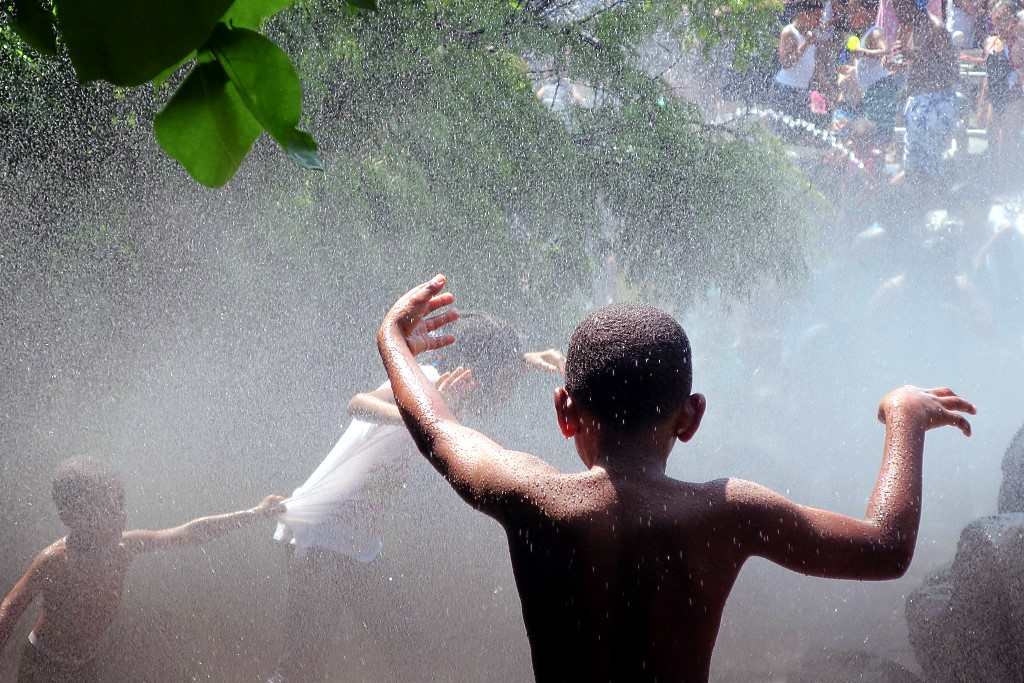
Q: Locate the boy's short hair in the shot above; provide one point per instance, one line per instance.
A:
(628, 365)
(84, 486)
(485, 345)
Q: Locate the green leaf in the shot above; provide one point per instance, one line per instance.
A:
(129, 42)
(263, 74)
(368, 5)
(301, 148)
(252, 13)
(162, 77)
(34, 24)
(269, 86)
(206, 126)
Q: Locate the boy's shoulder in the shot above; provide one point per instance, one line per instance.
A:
(48, 560)
(736, 492)
(725, 495)
(55, 552)
(590, 491)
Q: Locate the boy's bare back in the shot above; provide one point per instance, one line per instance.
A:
(623, 580)
(623, 572)
(81, 594)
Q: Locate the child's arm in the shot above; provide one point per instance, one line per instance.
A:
(879, 546)
(201, 530)
(873, 45)
(983, 112)
(552, 361)
(21, 596)
(486, 475)
(378, 406)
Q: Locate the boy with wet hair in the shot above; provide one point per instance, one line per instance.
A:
(80, 577)
(623, 572)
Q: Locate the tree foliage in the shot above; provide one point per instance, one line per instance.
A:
(240, 83)
(443, 156)
(432, 109)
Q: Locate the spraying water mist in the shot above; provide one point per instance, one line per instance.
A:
(207, 344)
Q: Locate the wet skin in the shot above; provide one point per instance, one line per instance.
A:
(623, 579)
(81, 594)
(623, 572)
(80, 578)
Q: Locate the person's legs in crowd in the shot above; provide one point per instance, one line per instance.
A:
(930, 120)
(881, 106)
(1005, 135)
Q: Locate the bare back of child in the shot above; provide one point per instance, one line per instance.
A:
(80, 578)
(623, 572)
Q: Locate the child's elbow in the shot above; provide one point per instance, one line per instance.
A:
(902, 563)
(894, 561)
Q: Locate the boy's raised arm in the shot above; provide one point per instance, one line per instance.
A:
(201, 530)
(480, 470)
(828, 544)
(21, 596)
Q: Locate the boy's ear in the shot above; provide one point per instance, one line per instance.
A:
(690, 417)
(565, 410)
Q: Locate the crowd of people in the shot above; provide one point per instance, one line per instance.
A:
(864, 68)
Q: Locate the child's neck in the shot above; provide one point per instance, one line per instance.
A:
(631, 461)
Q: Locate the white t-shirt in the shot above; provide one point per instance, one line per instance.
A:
(339, 508)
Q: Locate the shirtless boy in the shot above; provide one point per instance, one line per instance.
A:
(80, 577)
(623, 572)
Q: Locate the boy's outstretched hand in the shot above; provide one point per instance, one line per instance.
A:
(928, 408)
(408, 316)
(271, 506)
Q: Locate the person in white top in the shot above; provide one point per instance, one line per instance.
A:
(797, 47)
(333, 522)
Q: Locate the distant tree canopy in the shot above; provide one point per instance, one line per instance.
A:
(432, 110)
(437, 148)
